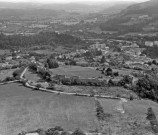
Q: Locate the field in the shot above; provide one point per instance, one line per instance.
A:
(83, 72)
(2, 52)
(50, 50)
(30, 75)
(6, 73)
(27, 110)
(24, 109)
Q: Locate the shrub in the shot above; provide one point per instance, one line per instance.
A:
(38, 86)
(58, 128)
(102, 59)
(52, 63)
(152, 118)
(17, 73)
(65, 133)
(51, 86)
(131, 97)
(33, 66)
(99, 111)
(109, 72)
(116, 73)
(110, 83)
(54, 131)
(41, 132)
(78, 132)
(7, 79)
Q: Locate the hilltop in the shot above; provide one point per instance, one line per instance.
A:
(136, 18)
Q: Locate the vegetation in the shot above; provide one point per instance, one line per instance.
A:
(17, 73)
(153, 121)
(78, 132)
(51, 63)
(43, 38)
(100, 111)
(151, 52)
(147, 87)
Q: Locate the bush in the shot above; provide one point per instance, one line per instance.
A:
(100, 111)
(78, 132)
(152, 118)
(110, 83)
(58, 128)
(52, 63)
(109, 72)
(7, 79)
(54, 131)
(65, 133)
(17, 73)
(41, 132)
(116, 73)
(131, 97)
(38, 86)
(33, 66)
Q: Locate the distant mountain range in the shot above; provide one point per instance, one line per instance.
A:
(75, 6)
(136, 18)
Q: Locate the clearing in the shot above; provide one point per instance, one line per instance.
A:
(83, 72)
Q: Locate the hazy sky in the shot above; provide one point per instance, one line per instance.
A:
(64, 1)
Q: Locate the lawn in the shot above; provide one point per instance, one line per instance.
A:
(24, 109)
(83, 72)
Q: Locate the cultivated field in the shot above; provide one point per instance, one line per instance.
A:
(83, 72)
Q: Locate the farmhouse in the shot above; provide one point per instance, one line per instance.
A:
(149, 43)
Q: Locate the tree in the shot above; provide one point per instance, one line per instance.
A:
(100, 111)
(102, 59)
(109, 72)
(154, 62)
(52, 63)
(78, 132)
(152, 118)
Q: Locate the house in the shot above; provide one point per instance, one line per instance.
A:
(156, 43)
(9, 58)
(149, 43)
(98, 46)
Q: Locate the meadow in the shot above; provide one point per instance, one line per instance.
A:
(83, 72)
(2, 52)
(6, 73)
(25, 109)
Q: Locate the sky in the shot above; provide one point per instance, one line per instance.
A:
(64, 1)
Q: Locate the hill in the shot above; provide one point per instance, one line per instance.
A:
(136, 18)
(84, 7)
(42, 38)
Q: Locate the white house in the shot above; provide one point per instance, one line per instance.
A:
(149, 43)
(156, 43)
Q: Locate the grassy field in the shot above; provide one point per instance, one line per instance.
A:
(6, 73)
(30, 75)
(83, 72)
(2, 52)
(24, 109)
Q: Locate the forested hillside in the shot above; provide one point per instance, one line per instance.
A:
(43, 38)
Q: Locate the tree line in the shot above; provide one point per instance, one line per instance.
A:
(42, 38)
